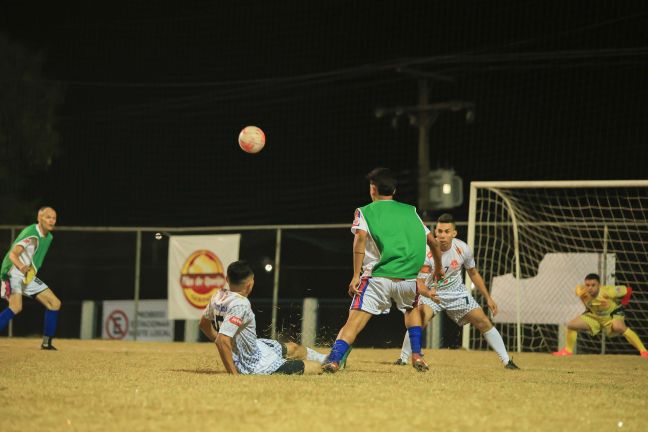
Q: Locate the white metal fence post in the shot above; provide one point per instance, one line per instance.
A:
(309, 322)
(88, 319)
(10, 326)
(138, 266)
(275, 290)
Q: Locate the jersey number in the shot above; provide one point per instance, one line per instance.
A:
(217, 322)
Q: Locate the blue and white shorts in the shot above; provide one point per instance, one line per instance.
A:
(14, 284)
(376, 295)
(270, 358)
(276, 346)
(456, 306)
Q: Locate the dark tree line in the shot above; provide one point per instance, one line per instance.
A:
(28, 135)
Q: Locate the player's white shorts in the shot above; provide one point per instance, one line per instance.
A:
(270, 358)
(376, 295)
(456, 306)
(14, 284)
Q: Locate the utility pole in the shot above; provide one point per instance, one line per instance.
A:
(424, 124)
(424, 115)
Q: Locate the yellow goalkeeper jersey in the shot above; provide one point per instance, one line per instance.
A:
(605, 302)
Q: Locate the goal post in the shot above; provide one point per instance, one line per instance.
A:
(535, 240)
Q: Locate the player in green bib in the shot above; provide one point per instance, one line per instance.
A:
(388, 251)
(401, 246)
(18, 274)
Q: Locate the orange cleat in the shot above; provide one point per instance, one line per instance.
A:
(330, 367)
(419, 364)
(643, 353)
(562, 353)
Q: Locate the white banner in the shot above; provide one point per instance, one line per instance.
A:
(197, 266)
(152, 322)
(550, 296)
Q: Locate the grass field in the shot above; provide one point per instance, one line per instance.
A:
(127, 386)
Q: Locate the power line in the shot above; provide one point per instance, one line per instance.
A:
(514, 58)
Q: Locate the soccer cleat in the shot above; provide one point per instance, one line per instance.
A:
(330, 367)
(419, 363)
(400, 362)
(562, 353)
(343, 360)
(511, 365)
(643, 353)
(49, 347)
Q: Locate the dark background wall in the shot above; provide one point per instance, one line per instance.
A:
(154, 98)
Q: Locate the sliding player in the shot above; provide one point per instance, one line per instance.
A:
(455, 299)
(18, 274)
(228, 321)
(604, 305)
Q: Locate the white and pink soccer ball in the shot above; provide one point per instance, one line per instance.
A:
(251, 139)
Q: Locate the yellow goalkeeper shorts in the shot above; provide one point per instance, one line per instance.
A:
(596, 323)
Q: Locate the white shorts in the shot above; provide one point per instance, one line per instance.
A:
(377, 293)
(457, 306)
(14, 284)
(274, 346)
(270, 358)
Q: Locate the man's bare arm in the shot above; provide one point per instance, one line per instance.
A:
(435, 248)
(476, 278)
(208, 329)
(224, 345)
(14, 256)
(359, 243)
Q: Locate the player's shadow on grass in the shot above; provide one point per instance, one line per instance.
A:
(200, 371)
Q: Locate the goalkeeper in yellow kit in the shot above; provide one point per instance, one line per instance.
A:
(605, 312)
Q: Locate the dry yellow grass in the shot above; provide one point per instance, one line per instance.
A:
(126, 386)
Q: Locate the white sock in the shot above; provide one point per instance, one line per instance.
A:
(313, 355)
(406, 351)
(495, 341)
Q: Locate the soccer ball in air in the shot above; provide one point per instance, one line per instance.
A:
(251, 139)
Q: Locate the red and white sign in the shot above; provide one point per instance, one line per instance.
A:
(152, 323)
(116, 325)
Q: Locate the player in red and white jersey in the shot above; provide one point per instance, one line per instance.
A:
(228, 320)
(454, 298)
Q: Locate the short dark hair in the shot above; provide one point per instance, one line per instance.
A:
(383, 179)
(446, 218)
(593, 276)
(238, 271)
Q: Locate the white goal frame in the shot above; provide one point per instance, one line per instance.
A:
(495, 187)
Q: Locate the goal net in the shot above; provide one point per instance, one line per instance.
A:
(534, 241)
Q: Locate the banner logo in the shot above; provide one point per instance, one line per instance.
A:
(201, 275)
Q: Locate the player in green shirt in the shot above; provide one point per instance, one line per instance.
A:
(388, 251)
(18, 274)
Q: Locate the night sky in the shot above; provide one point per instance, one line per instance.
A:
(155, 95)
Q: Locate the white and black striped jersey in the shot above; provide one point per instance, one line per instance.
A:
(231, 314)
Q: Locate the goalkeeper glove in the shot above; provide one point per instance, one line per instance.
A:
(625, 300)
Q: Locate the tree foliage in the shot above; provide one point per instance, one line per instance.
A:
(28, 136)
